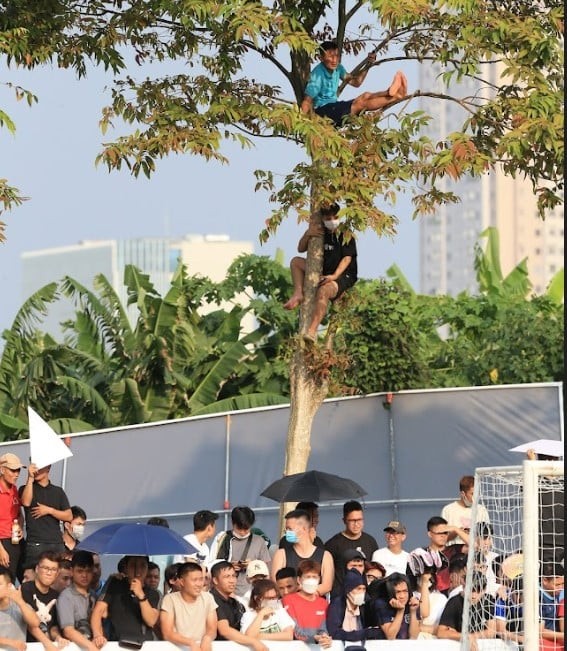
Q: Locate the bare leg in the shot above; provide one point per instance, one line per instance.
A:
(324, 294)
(297, 266)
(374, 101)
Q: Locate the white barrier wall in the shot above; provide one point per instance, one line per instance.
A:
(371, 645)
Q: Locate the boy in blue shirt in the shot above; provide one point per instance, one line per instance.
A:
(323, 84)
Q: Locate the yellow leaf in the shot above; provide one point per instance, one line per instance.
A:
(493, 375)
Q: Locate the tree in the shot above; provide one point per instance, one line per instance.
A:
(517, 124)
(171, 362)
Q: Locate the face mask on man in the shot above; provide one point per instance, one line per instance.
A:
(291, 536)
(310, 586)
(239, 537)
(466, 501)
(357, 598)
(78, 531)
(331, 224)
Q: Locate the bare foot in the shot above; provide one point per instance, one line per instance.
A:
(399, 86)
(293, 302)
(309, 338)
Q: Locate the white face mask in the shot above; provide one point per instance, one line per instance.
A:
(240, 537)
(78, 531)
(357, 598)
(331, 224)
(467, 502)
(310, 585)
(270, 603)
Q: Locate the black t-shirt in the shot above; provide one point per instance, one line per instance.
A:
(46, 529)
(479, 614)
(124, 611)
(334, 250)
(44, 606)
(338, 545)
(230, 609)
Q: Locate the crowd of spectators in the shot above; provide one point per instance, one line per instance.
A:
(239, 587)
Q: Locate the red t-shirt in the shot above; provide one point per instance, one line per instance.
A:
(310, 616)
(10, 507)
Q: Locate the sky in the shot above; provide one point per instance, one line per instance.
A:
(51, 159)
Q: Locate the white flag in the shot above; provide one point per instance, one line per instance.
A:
(46, 447)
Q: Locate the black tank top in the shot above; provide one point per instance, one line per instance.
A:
(293, 560)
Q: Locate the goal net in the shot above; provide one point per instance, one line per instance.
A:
(514, 585)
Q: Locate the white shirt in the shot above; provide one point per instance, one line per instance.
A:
(460, 516)
(391, 562)
(276, 623)
(203, 555)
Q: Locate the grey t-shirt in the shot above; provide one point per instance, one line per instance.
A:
(12, 624)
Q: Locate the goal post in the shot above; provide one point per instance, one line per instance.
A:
(525, 506)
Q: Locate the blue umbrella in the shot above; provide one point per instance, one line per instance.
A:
(136, 540)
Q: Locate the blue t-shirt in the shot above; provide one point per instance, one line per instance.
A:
(323, 84)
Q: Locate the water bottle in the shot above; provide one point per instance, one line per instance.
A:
(15, 532)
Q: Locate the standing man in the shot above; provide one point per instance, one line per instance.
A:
(74, 530)
(230, 609)
(458, 513)
(339, 273)
(392, 557)
(297, 534)
(352, 537)
(204, 528)
(45, 506)
(240, 545)
(10, 511)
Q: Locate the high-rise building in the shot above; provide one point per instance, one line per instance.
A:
(205, 255)
(447, 238)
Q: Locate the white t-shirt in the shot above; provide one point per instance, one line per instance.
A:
(437, 601)
(460, 516)
(391, 562)
(276, 623)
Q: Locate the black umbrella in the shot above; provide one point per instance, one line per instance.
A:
(312, 486)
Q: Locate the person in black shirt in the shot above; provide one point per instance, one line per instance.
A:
(230, 610)
(339, 268)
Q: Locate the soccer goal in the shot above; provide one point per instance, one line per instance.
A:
(515, 560)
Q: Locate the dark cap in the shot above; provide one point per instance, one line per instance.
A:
(351, 554)
(396, 526)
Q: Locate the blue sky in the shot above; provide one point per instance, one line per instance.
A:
(51, 159)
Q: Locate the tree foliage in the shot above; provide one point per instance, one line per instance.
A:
(237, 69)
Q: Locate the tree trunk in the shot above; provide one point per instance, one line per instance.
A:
(308, 381)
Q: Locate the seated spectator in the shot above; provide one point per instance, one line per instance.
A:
(353, 559)
(130, 607)
(97, 583)
(508, 612)
(255, 571)
(64, 577)
(432, 604)
(481, 615)
(393, 557)
(437, 531)
(28, 574)
(457, 575)
(266, 619)
(74, 530)
(394, 609)
(307, 609)
(170, 578)
(240, 545)
(230, 610)
(345, 617)
(551, 595)
(16, 616)
(373, 571)
(286, 581)
(75, 603)
(188, 616)
(41, 596)
(153, 578)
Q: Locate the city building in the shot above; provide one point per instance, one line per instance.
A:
(204, 255)
(447, 238)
